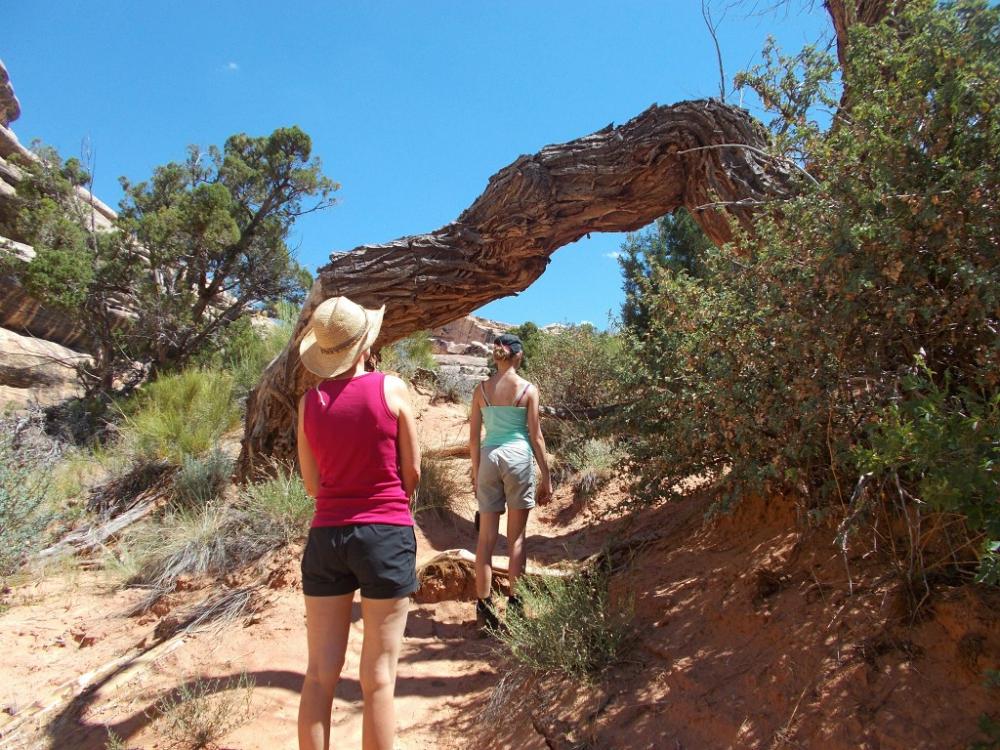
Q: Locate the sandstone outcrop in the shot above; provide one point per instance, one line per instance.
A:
(36, 371)
(19, 311)
(468, 335)
(10, 107)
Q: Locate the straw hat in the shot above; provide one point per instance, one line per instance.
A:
(340, 331)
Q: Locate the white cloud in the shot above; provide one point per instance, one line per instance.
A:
(233, 67)
(614, 255)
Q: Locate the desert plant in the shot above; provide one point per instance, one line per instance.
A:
(199, 713)
(277, 510)
(201, 479)
(214, 538)
(188, 541)
(23, 512)
(409, 355)
(437, 491)
(785, 366)
(590, 464)
(196, 247)
(575, 366)
(567, 625)
(251, 345)
(451, 386)
(180, 415)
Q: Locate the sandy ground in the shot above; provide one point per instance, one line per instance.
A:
(751, 632)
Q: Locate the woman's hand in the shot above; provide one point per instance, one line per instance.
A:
(544, 494)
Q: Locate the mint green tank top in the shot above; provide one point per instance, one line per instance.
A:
(505, 424)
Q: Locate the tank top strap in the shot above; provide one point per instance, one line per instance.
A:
(523, 392)
(482, 387)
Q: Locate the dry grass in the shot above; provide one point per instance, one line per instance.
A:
(200, 713)
(437, 491)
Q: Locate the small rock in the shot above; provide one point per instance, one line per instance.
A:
(83, 638)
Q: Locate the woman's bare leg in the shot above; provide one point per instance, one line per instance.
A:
(328, 624)
(517, 522)
(489, 530)
(384, 622)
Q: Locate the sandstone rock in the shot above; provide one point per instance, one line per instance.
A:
(10, 108)
(35, 371)
(477, 349)
(21, 312)
(466, 330)
(460, 373)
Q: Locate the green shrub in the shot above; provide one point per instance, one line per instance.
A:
(201, 479)
(944, 443)
(23, 512)
(200, 713)
(531, 336)
(249, 348)
(407, 356)
(575, 367)
(278, 510)
(181, 415)
(788, 357)
(568, 626)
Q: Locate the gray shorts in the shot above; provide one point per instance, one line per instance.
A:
(506, 477)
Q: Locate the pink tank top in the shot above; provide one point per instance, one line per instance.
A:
(353, 436)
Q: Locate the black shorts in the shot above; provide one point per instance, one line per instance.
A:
(378, 558)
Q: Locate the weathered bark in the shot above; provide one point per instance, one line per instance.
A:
(707, 156)
(846, 13)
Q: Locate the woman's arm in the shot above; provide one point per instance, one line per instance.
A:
(475, 428)
(307, 462)
(538, 446)
(398, 399)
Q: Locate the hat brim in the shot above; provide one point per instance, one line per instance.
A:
(332, 365)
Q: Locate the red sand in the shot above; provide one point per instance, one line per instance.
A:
(750, 635)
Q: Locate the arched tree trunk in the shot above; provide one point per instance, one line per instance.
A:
(707, 156)
(704, 155)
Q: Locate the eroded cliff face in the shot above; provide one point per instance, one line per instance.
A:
(10, 107)
(39, 345)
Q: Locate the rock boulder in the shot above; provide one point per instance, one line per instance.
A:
(36, 371)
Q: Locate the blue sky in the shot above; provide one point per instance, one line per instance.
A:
(411, 105)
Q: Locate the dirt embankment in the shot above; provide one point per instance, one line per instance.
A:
(752, 632)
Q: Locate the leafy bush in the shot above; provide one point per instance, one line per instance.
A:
(407, 356)
(784, 365)
(181, 415)
(23, 513)
(575, 367)
(944, 443)
(568, 625)
(200, 713)
(530, 335)
(202, 479)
